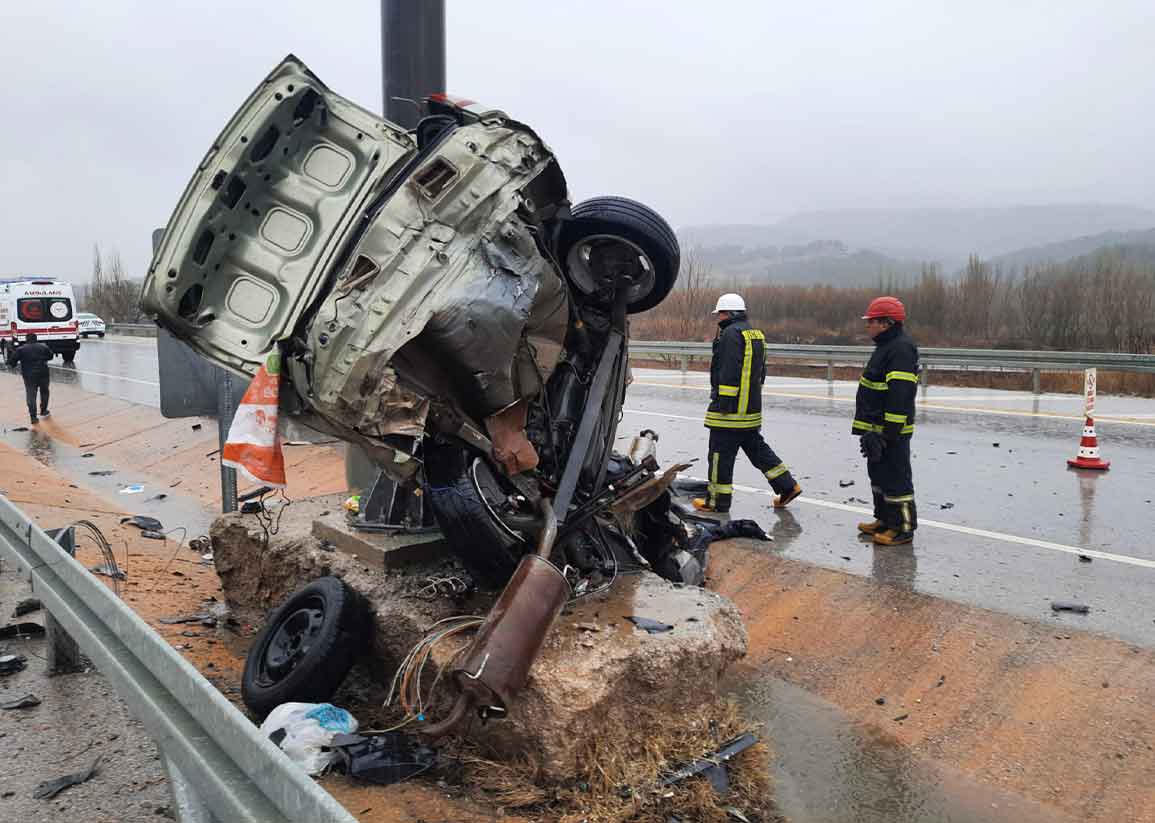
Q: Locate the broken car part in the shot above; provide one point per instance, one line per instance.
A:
(306, 648)
(496, 665)
(28, 701)
(713, 767)
(143, 522)
(382, 759)
(12, 663)
(50, 788)
(14, 631)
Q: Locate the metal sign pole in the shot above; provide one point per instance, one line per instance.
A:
(225, 412)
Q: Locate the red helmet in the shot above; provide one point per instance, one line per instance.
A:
(886, 307)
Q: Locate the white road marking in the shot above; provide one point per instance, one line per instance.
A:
(1128, 421)
(107, 376)
(952, 527)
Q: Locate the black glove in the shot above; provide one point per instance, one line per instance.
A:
(871, 445)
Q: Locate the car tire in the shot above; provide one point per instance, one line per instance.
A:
(100, 334)
(485, 545)
(69, 357)
(306, 648)
(639, 226)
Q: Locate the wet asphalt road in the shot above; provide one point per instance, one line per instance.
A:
(1002, 519)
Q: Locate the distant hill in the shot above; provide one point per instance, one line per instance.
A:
(944, 235)
(1133, 242)
(820, 262)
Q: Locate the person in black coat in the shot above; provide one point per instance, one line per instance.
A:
(884, 422)
(734, 416)
(33, 357)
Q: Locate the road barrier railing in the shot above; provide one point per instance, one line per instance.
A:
(1035, 362)
(220, 767)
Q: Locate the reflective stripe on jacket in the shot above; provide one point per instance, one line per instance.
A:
(737, 372)
(886, 390)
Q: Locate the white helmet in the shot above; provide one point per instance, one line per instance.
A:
(730, 302)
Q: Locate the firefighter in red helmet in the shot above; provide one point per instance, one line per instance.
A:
(884, 422)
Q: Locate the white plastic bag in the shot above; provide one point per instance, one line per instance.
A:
(308, 728)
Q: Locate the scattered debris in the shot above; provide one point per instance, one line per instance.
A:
(156, 497)
(201, 544)
(648, 625)
(1077, 608)
(19, 428)
(88, 454)
(382, 759)
(213, 453)
(588, 627)
(952, 452)
(947, 506)
(902, 717)
(713, 767)
(14, 631)
(941, 680)
(50, 788)
(12, 663)
(151, 535)
(846, 557)
(881, 701)
(196, 427)
(305, 732)
(185, 618)
(996, 445)
(1084, 558)
(845, 483)
(102, 473)
(135, 488)
(27, 606)
(144, 522)
(252, 507)
(107, 571)
(25, 702)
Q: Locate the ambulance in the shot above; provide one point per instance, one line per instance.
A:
(44, 307)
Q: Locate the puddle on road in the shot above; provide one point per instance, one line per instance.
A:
(830, 768)
(173, 511)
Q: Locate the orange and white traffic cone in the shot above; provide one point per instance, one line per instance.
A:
(1088, 457)
(254, 441)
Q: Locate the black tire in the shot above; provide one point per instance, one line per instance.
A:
(69, 357)
(100, 334)
(306, 648)
(485, 545)
(641, 227)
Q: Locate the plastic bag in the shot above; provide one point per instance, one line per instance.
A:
(305, 730)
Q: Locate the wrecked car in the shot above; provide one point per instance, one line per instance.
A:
(436, 300)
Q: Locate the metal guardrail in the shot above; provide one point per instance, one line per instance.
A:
(132, 329)
(1035, 362)
(220, 767)
(994, 358)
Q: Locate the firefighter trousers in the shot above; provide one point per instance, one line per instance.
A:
(892, 483)
(724, 445)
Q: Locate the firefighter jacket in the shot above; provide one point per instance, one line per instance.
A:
(885, 401)
(737, 371)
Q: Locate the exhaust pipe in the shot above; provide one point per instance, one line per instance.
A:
(496, 667)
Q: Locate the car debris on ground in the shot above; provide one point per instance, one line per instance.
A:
(50, 788)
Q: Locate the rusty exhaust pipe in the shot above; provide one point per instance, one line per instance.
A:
(496, 666)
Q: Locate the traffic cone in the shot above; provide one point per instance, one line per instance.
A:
(254, 441)
(1089, 450)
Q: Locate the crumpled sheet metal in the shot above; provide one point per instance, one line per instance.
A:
(461, 277)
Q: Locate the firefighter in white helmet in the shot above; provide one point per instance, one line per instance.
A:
(734, 416)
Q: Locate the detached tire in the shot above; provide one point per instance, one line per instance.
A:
(306, 648)
(588, 255)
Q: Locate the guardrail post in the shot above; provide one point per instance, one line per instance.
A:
(1036, 381)
(924, 379)
(63, 652)
(685, 359)
(829, 371)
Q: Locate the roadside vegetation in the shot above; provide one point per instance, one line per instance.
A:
(1104, 301)
(111, 294)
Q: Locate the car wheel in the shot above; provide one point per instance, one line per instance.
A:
(306, 648)
(69, 357)
(465, 492)
(100, 334)
(607, 236)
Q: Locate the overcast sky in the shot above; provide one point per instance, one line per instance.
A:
(712, 112)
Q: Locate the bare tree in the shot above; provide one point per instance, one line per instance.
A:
(112, 295)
